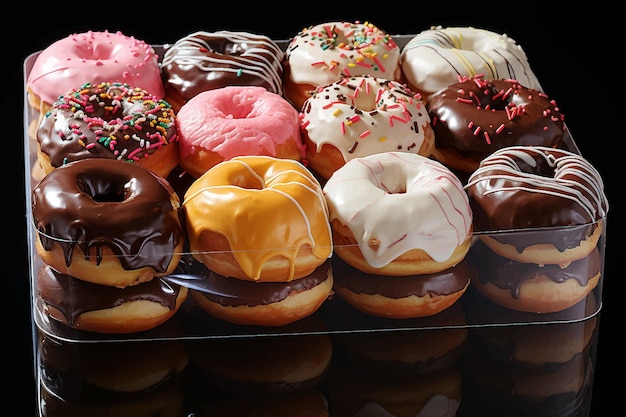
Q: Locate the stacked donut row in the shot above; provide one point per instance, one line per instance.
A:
(255, 196)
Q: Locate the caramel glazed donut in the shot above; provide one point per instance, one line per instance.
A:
(108, 222)
(556, 192)
(476, 116)
(204, 61)
(109, 120)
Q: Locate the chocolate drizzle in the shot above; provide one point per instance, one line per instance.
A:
(96, 203)
(73, 297)
(510, 275)
(237, 292)
(450, 281)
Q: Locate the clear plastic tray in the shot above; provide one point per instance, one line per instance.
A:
(333, 318)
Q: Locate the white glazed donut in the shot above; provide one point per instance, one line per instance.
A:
(322, 54)
(398, 213)
(437, 57)
(360, 116)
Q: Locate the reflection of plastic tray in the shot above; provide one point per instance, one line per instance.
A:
(334, 317)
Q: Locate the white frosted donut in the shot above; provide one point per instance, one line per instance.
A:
(397, 213)
(323, 53)
(360, 116)
(437, 57)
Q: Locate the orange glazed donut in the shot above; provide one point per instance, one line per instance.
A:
(109, 120)
(322, 54)
(360, 116)
(398, 213)
(555, 192)
(92, 57)
(107, 222)
(219, 124)
(258, 218)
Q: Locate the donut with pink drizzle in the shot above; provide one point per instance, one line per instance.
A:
(546, 204)
(322, 54)
(92, 57)
(398, 213)
(360, 116)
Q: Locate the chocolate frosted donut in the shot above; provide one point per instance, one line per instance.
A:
(546, 204)
(204, 61)
(474, 117)
(96, 308)
(108, 222)
(259, 303)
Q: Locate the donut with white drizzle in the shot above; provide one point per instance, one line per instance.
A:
(538, 189)
(360, 116)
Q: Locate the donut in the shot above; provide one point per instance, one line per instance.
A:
(398, 213)
(108, 120)
(92, 57)
(436, 58)
(557, 196)
(270, 304)
(204, 61)
(536, 288)
(293, 363)
(360, 116)
(402, 297)
(107, 222)
(321, 54)
(217, 125)
(475, 116)
(89, 307)
(258, 218)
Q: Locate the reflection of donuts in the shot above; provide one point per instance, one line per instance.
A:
(101, 309)
(263, 365)
(354, 392)
(534, 288)
(408, 352)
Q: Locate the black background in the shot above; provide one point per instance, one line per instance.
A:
(571, 56)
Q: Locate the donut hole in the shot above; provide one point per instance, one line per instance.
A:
(537, 165)
(365, 101)
(103, 190)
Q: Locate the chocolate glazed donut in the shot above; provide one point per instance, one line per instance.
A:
(96, 212)
(205, 61)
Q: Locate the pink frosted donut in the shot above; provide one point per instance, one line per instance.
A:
(219, 124)
(92, 57)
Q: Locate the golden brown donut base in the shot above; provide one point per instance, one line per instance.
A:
(202, 160)
(540, 294)
(130, 317)
(295, 93)
(109, 272)
(293, 308)
(162, 162)
(412, 306)
(413, 262)
(213, 250)
(36, 102)
(545, 253)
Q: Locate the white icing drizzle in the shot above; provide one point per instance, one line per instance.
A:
(365, 115)
(437, 57)
(574, 179)
(405, 201)
(255, 60)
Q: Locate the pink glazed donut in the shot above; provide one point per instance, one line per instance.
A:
(217, 125)
(92, 57)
